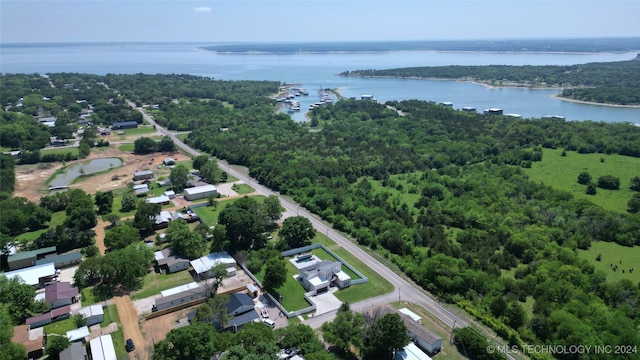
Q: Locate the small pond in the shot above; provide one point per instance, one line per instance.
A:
(86, 168)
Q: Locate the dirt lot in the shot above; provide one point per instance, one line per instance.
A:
(30, 179)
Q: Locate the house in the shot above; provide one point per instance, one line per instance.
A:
(447, 103)
(78, 334)
(317, 277)
(170, 194)
(469, 109)
(169, 161)
(162, 200)
(47, 119)
(93, 314)
(62, 260)
(28, 258)
(424, 338)
(162, 220)
(203, 265)
(180, 289)
(31, 339)
(165, 182)
(200, 192)
(142, 175)
(124, 125)
(191, 296)
(61, 294)
(35, 275)
(102, 348)
(75, 351)
(493, 111)
(54, 315)
(411, 352)
(239, 303)
(169, 263)
(366, 97)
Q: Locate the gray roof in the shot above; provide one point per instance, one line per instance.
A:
(75, 351)
(238, 300)
(33, 253)
(60, 258)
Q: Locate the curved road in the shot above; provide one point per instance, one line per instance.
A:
(404, 289)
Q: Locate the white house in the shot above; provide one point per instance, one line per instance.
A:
(317, 277)
(169, 262)
(203, 265)
(94, 314)
(200, 192)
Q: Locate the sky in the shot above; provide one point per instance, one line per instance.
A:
(214, 21)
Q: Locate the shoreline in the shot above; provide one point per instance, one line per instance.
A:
(515, 86)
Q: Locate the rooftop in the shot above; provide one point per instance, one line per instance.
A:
(205, 263)
(59, 291)
(32, 275)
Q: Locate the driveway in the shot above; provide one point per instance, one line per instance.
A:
(129, 319)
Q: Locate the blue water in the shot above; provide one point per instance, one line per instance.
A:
(314, 71)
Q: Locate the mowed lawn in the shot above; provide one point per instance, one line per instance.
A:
(561, 172)
(153, 283)
(623, 257)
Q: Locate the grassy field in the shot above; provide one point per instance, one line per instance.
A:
(617, 255)
(126, 147)
(292, 291)
(139, 131)
(60, 327)
(561, 172)
(57, 218)
(153, 283)
(118, 335)
(243, 189)
(73, 150)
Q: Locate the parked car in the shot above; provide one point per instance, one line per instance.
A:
(270, 323)
(265, 313)
(129, 345)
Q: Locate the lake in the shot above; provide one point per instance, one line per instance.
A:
(315, 71)
(84, 168)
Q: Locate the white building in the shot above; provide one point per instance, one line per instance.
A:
(102, 348)
(34, 275)
(78, 334)
(200, 192)
(94, 314)
(203, 265)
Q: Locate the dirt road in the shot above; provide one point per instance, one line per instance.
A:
(129, 320)
(99, 229)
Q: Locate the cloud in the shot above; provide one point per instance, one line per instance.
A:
(203, 9)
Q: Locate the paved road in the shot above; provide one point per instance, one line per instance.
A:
(403, 288)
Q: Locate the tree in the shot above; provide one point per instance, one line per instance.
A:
(199, 161)
(145, 217)
(346, 329)
(114, 219)
(184, 241)
(88, 272)
(8, 349)
(635, 183)
(591, 189)
(79, 320)
(18, 298)
(129, 201)
(301, 336)
(166, 145)
(609, 182)
(219, 274)
(144, 145)
(385, 336)
(633, 205)
(104, 202)
(275, 275)
(297, 231)
(194, 342)
(179, 176)
(273, 208)
(125, 267)
(55, 344)
(211, 172)
(81, 213)
(121, 236)
(584, 178)
(242, 229)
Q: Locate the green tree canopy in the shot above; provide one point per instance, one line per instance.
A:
(179, 177)
(121, 236)
(386, 335)
(346, 330)
(125, 267)
(275, 275)
(184, 241)
(297, 231)
(145, 217)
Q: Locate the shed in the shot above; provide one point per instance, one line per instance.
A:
(47, 318)
(200, 192)
(169, 161)
(34, 275)
(102, 348)
(253, 290)
(124, 125)
(170, 194)
(78, 334)
(25, 259)
(142, 175)
(75, 351)
(93, 314)
(62, 260)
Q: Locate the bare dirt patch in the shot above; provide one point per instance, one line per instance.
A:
(31, 179)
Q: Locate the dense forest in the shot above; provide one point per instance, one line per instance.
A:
(441, 193)
(528, 45)
(609, 82)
